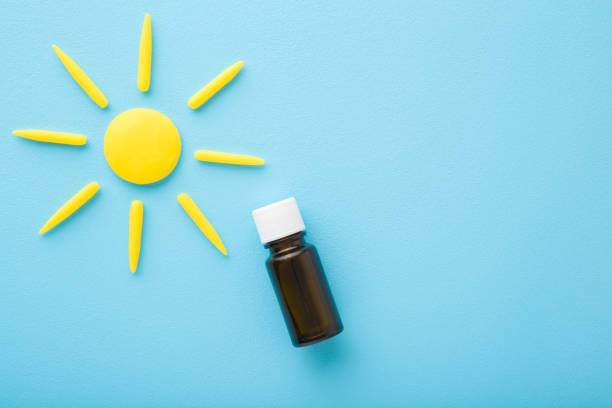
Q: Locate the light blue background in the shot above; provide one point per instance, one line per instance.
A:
(452, 161)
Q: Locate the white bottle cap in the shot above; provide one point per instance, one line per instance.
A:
(278, 220)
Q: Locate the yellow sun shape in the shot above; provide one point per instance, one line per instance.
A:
(141, 146)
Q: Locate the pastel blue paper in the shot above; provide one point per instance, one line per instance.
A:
(452, 161)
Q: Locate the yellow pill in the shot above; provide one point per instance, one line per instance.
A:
(81, 78)
(135, 236)
(228, 158)
(142, 146)
(144, 56)
(66, 210)
(50, 136)
(214, 86)
(200, 220)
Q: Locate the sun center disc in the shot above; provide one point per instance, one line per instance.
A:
(142, 146)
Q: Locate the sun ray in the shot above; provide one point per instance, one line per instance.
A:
(144, 55)
(71, 206)
(81, 78)
(200, 220)
(50, 136)
(135, 233)
(214, 86)
(228, 158)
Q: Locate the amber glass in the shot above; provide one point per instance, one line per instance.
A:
(302, 290)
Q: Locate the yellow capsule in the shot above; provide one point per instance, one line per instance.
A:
(228, 158)
(200, 220)
(66, 210)
(50, 136)
(144, 55)
(81, 78)
(214, 86)
(135, 237)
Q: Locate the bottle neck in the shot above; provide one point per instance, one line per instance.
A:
(287, 244)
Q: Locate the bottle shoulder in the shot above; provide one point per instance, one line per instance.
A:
(305, 249)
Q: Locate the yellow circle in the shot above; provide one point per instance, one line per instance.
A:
(142, 146)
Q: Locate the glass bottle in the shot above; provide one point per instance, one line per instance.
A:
(297, 275)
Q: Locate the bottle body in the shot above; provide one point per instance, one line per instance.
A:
(302, 290)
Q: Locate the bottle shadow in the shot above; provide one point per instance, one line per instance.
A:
(334, 352)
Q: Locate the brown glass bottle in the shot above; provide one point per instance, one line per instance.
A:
(302, 290)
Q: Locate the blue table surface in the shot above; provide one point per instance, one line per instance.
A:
(452, 161)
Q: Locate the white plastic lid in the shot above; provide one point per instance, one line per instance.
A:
(278, 220)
